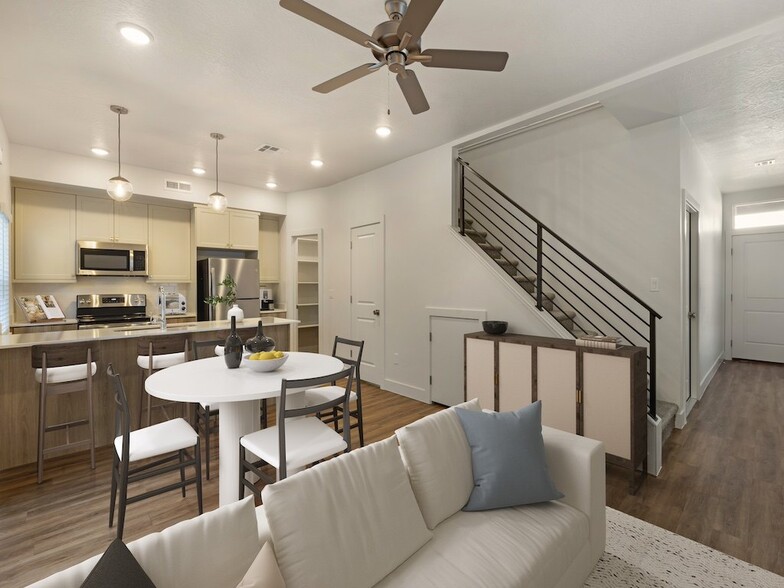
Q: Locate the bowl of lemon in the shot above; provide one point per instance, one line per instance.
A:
(266, 361)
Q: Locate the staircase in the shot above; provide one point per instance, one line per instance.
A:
(563, 282)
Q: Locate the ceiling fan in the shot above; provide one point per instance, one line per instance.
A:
(396, 43)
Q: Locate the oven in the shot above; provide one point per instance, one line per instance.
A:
(97, 311)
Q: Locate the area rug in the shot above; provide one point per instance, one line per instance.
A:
(641, 555)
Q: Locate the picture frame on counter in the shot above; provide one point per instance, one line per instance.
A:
(36, 309)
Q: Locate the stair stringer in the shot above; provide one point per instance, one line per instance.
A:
(557, 329)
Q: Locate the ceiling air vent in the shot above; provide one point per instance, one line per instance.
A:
(178, 186)
(268, 149)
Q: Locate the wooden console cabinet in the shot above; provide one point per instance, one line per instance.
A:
(598, 393)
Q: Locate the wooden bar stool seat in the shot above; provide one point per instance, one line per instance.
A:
(153, 354)
(64, 370)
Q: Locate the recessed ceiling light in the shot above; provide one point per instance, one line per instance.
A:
(383, 131)
(199, 171)
(764, 163)
(100, 151)
(134, 33)
(316, 162)
(271, 185)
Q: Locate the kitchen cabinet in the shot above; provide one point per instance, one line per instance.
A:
(598, 393)
(232, 229)
(44, 236)
(269, 250)
(170, 249)
(102, 219)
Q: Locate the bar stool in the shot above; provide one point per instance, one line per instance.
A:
(204, 412)
(154, 354)
(64, 370)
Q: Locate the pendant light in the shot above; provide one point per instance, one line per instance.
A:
(118, 187)
(217, 200)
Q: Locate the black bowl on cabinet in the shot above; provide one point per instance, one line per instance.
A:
(495, 327)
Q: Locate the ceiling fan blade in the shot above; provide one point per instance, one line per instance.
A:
(327, 21)
(459, 59)
(347, 77)
(418, 15)
(412, 91)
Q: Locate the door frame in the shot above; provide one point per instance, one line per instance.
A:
(690, 245)
(293, 273)
(382, 322)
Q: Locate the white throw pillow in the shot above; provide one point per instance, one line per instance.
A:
(263, 572)
(345, 523)
(438, 459)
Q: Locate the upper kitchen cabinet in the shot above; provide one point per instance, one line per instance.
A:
(44, 236)
(101, 219)
(269, 250)
(170, 247)
(232, 229)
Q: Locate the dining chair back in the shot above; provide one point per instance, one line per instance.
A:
(294, 443)
(205, 414)
(64, 369)
(350, 353)
(153, 354)
(166, 444)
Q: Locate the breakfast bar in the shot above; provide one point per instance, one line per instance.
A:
(118, 346)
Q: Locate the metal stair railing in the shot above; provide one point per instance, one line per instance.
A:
(582, 295)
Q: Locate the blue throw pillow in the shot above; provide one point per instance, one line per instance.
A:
(507, 456)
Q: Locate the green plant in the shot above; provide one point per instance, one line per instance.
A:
(231, 293)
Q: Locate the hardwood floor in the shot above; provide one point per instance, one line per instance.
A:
(723, 478)
(723, 483)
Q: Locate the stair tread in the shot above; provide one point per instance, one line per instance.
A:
(567, 314)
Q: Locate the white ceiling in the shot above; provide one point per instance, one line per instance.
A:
(245, 68)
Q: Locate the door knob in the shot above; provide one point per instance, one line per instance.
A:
(692, 315)
(376, 312)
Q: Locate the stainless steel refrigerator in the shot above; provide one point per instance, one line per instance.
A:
(212, 271)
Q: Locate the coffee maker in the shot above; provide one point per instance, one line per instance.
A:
(265, 299)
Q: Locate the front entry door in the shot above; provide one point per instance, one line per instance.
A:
(758, 297)
(367, 291)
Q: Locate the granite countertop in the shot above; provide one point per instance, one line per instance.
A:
(51, 323)
(55, 337)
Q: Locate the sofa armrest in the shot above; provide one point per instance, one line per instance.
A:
(577, 467)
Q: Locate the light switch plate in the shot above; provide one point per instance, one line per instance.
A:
(654, 284)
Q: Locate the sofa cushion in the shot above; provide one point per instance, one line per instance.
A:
(438, 459)
(347, 522)
(508, 459)
(264, 571)
(214, 549)
(117, 568)
(521, 546)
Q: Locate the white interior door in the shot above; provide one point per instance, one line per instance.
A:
(758, 297)
(447, 373)
(367, 291)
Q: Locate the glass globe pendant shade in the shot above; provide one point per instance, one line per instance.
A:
(217, 202)
(119, 189)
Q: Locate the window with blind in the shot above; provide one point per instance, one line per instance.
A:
(5, 275)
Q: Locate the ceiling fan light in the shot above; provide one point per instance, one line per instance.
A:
(119, 189)
(383, 131)
(316, 163)
(217, 202)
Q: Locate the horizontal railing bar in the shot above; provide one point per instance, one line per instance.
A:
(499, 203)
(495, 225)
(562, 297)
(561, 239)
(515, 257)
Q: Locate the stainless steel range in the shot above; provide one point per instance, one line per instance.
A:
(98, 311)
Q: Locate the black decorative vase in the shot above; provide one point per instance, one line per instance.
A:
(260, 342)
(232, 352)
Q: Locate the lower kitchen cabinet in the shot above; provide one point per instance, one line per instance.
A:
(598, 393)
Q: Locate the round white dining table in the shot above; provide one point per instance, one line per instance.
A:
(238, 392)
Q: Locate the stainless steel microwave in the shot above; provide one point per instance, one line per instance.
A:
(94, 258)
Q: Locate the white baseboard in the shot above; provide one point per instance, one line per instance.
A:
(680, 418)
(655, 429)
(407, 390)
(711, 373)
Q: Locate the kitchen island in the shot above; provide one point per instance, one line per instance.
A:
(118, 346)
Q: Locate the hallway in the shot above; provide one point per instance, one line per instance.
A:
(723, 478)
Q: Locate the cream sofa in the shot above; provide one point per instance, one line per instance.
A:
(390, 516)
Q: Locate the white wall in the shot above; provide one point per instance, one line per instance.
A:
(5, 172)
(31, 163)
(698, 182)
(615, 195)
(426, 265)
